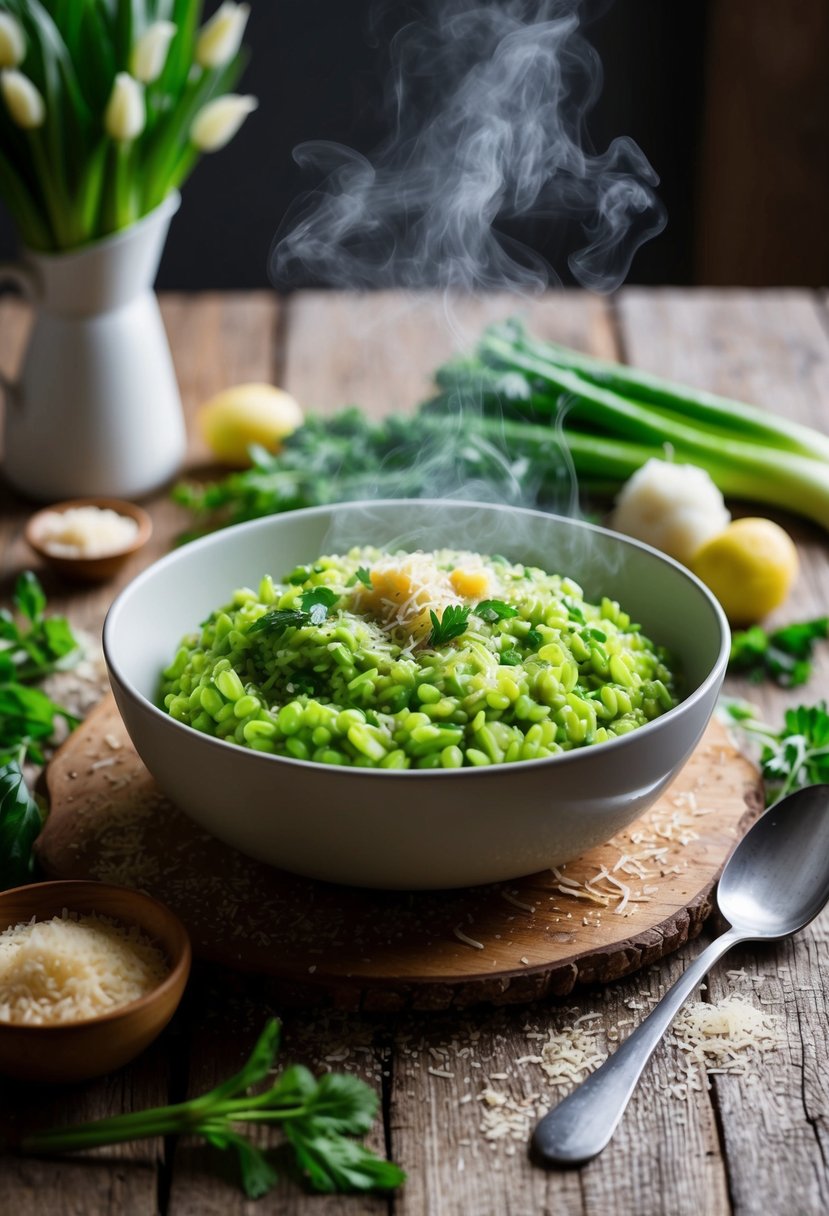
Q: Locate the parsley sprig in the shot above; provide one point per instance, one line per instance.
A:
(315, 606)
(790, 758)
(783, 656)
(33, 645)
(318, 1118)
(449, 625)
(495, 610)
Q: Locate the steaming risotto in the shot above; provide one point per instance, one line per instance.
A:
(417, 660)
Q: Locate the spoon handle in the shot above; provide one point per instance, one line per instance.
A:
(579, 1127)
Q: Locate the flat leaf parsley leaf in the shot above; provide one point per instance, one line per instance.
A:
(495, 610)
(451, 624)
(314, 610)
(20, 824)
(793, 757)
(317, 1117)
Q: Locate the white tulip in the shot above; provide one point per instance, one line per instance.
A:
(23, 101)
(150, 51)
(220, 38)
(12, 41)
(125, 114)
(218, 121)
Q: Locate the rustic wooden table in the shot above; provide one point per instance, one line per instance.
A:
(744, 1145)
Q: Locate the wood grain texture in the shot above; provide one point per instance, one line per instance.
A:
(379, 350)
(109, 821)
(769, 348)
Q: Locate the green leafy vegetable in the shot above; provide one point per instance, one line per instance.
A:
(495, 610)
(20, 824)
(280, 620)
(510, 657)
(317, 1118)
(32, 646)
(783, 656)
(316, 603)
(363, 575)
(314, 610)
(451, 624)
(793, 757)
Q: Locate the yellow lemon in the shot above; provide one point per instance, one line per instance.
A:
(244, 414)
(750, 566)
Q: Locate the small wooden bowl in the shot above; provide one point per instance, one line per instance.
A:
(75, 1051)
(90, 569)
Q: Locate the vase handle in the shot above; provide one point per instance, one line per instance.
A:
(24, 281)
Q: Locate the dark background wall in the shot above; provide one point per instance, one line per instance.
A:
(729, 99)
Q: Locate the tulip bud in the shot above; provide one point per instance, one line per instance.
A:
(218, 121)
(23, 101)
(12, 41)
(220, 38)
(150, 51)
(125, 116)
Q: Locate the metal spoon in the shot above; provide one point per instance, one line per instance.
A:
(774, 883)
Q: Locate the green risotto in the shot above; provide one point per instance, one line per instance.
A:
(417, 660)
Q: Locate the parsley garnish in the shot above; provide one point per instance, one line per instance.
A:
(280, 620)
(314, 610)
(510, 657)
(450, 625)
(573, 610)
(363, 575)
(534, 639)
(495, 610)
(791, 758)
(783, 656)
(316, 603)
(318, 1118)
(32, 646)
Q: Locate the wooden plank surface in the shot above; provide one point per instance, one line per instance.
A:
(769, 348)
(739, 1147)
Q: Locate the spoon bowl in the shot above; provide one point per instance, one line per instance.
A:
(774, 883)
(777, 878)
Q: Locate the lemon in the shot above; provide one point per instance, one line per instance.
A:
(244, 414)
(750, 566)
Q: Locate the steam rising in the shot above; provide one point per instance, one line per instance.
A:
(489, 103)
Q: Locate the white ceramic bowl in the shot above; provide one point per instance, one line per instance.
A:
(412, 829)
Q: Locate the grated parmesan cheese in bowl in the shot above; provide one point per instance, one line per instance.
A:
(88, 538)
(90, 974)
(74, 967)
(85, 531)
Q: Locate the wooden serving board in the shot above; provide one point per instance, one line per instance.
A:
(504, 943)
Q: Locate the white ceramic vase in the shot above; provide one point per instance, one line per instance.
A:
(95, 408)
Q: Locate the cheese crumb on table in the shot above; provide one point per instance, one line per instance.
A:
(74, 967)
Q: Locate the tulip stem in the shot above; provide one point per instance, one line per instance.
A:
(46, 180)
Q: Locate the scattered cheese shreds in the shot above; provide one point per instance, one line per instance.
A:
(74, 967)
(724, 1037)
